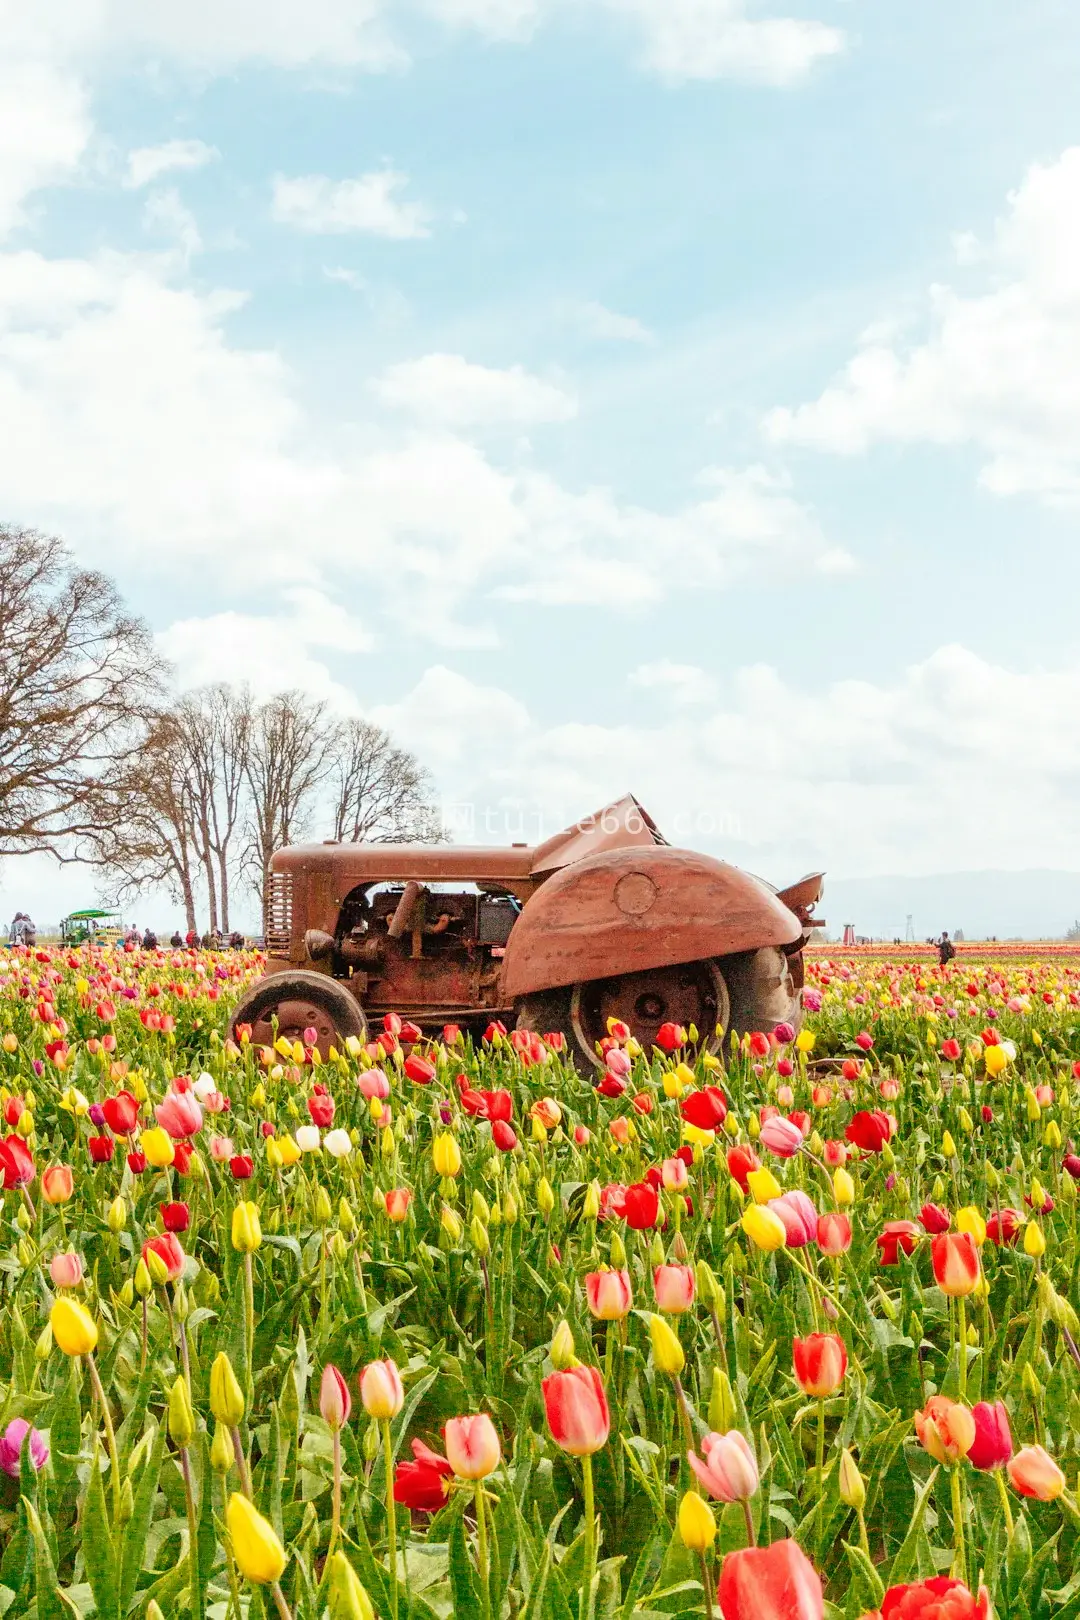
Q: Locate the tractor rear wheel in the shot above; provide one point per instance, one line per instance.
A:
(299, 1000)
(691, 993)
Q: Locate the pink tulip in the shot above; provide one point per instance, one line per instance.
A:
(577, 1410)
(66, 1270)
(674, 1288)
(728, 1468)
(221, 1148)
(781, 1137)
(618, 1062)
(335, 1402)
(373, 1083)
(17, 1434)
(472, 1446)
(799, 1216)
(179, 1114)
(673, 1172)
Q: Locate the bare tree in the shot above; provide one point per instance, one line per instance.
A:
(79, 679)
(289, 754)
(153, 844)
(216, 724)
(381, 793)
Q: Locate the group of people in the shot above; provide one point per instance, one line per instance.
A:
(23, 931)
(212, 940)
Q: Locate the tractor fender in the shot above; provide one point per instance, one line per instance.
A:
(624, 911)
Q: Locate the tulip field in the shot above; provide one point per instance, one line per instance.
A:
(770, 1329)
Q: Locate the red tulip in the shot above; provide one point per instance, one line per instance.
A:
(419, 1069)
(951, 1049)
(707, 1108)
(935, 1219)
(740, 1161)
(577, 1410)
(13, 1111)
(669, 1037)
(896, 1236)
(410, 1033)
(494, 1029)
(820, 1362)
(870, 1131)
(504, 1136)
(850, 1069)
(16, 1161)
(136, 1162)
(770, 1583)
(1071, 1163)
(101, 1149)
(423, 1484)
(612, 1085)
(335, 1402)
(497, 1105)
(182, 1158)
(1004, 1226)
(992, 1446)
(241, 1166)
(321, 1109)
(864, 1041)
(175, 1217)
(940, 1598)
(168, 1250)
(956, 1263)
(641, 1205)
(121, 1113)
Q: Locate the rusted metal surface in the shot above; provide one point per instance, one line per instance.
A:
(605, 915)
(627, 911)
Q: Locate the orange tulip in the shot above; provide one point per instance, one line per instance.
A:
(1033, 1472)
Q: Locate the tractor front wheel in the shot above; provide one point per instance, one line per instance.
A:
(299, 1001)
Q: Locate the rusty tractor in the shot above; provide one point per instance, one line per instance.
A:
(604, 920)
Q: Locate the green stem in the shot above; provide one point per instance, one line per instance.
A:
(961, 1331)
(482, 1550)
(820, 1472)
(707, 1585)
(960, 1559)
(110, 1437)
(335, 1522)
(391, 1521)
(586, 1605)
(748, 1515)
(249, 1330)
(234, 1588)
(241, 1463)
(279, 1599)
(193, 1538)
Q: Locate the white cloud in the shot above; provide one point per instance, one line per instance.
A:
(901, 775)
(315, 203)
(717, 39)
(684, 683)
(44, 130)
(165, 215)
(998, 367)
(497, 19)
(605, 325)
(147, 163)
(450, 390)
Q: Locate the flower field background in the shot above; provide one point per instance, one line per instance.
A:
(428, 1328)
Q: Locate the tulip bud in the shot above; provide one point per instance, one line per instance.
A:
(843, 1187)
(478, 1237)
(226, 1396)
(222, 1453)
(993, 1180)
(1052, 1135)
(480, 1209)
(450, 1222)
(346, 1218)
(116, 1216)
(617, 1250)
(591, 1207)
(26, 1253)
(337, 1248)
(43, 1347)
(510, 1209)
(181, 1417)
(667, 1351)
(722, 1415)
(155, 1265)
(1032, 1106)
(323, 1207)
(19, 1336)
(23, 1218)
(697, 1526)
(1034, 1240)
(562, 1347)
(387, 1144)
(709, 1291)
(181, 1302)
(126, 1508)
(656, 1251)
(25, 1127)
(545, 1198)
(887, 1305)
(1031, 1385)
(347, 1596)
(143, 1281)
(153, 1612)
(852, 1488)
(888, 1157)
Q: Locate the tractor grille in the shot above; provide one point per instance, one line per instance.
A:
(277, 913)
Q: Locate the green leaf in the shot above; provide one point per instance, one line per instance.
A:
(135, 1532)
(904, 1562)
(462, 1579)
(99, 1553)
(865, 1571)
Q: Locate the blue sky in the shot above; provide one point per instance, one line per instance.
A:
(675, 395)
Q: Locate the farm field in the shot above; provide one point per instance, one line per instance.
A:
(775, 1331)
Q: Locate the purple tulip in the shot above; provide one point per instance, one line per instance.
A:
(97, 1114)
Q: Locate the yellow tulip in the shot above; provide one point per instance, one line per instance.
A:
(157, 1147)
(226, 1396)
(273, 1155)
(1034, 1240)
(697, 1527)
(994, 1060)
(763, 1186)
(667, 1351)
(116, 1215)
(446, 1156)
(970, 1220)
(181, 1418)
(764, 1228)
(74, 1329)
(290, 1153)
(843, 1186)
(948, 1146)
(246, 1228)
(804, 1040)
(256, 1548)
(695, 1135)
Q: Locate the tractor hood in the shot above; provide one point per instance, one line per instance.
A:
(622, 825)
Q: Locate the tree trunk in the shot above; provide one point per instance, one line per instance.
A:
(223, 892)
(211, 888)
(189, 902)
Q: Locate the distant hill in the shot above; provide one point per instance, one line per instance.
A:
(1008, 905)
